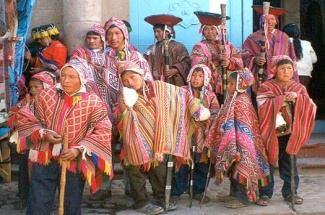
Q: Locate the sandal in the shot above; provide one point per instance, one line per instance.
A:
(298, 200)
(263, 201)
(234, 204)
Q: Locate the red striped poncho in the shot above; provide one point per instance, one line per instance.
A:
(161, 124)
(271, 98)
(82, 120)
(279, 44)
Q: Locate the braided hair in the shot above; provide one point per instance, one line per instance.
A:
(293, 31)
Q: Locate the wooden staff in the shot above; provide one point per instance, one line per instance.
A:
(168, 184)
(166, 59)
(223, 48)
(63, 179)
(260, 72)
(192, 174)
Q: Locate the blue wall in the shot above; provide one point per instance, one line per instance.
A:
(240, 24)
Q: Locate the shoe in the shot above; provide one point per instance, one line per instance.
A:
(225, 199)
(199, 197)
(172, 203)
(234, 204)
(100, 195)
(298, 200)
(150, 209)
(263, 201)
(20, 205)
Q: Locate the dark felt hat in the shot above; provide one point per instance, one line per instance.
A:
(276, 11)
(164, 19)
(207, 18)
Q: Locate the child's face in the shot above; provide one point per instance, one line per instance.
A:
(231, 86)
(35, 87)
(284, 73)
(197, 79)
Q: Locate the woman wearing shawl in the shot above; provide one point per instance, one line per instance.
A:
(209, 52)
(66, 113)
(155, 121)
(37, 83)
(199, 86)
(287, 117)
(236, 145)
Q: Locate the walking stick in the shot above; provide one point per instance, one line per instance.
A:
(292, 178)
(169, 175)
(292, 168)
(207, 181)
(192, 175)
(63, 180)
(260, 72)
(223, 49)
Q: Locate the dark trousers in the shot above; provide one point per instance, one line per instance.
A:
(238, 191)
(137, 180)
(181, 178)
(284, 170)
(23, 178)
(45, 180)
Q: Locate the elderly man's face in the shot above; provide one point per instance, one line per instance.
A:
(132, 80)
(94, 42)
(70, 80)
(115, 38)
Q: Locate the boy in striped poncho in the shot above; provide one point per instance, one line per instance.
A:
(287, 117)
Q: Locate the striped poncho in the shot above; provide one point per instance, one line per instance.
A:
(81, 120)
(270, 99)
(159, 123)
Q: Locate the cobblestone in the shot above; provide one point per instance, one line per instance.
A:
(312, 183)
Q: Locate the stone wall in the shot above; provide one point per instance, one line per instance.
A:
(293, 7)
(74, 17)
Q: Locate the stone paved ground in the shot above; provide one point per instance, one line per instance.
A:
(312, 189)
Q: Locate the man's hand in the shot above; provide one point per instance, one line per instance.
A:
(260, 61)
(290, 96)
(52, 137)
(169, 73)
(69, 154)
(224, 60)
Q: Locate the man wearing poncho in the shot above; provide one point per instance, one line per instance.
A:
(155, 120)
(68, 114)
(209, 50)
(178, 58)
(236, 144)
(276, 43)
(287, 117)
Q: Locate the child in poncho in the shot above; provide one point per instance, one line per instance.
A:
(287, 117)
(199, 86)
(237, 149)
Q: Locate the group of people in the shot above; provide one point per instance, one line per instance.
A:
(163, 107)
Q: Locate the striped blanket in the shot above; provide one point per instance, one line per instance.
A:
(270, 99)
(159, 123)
